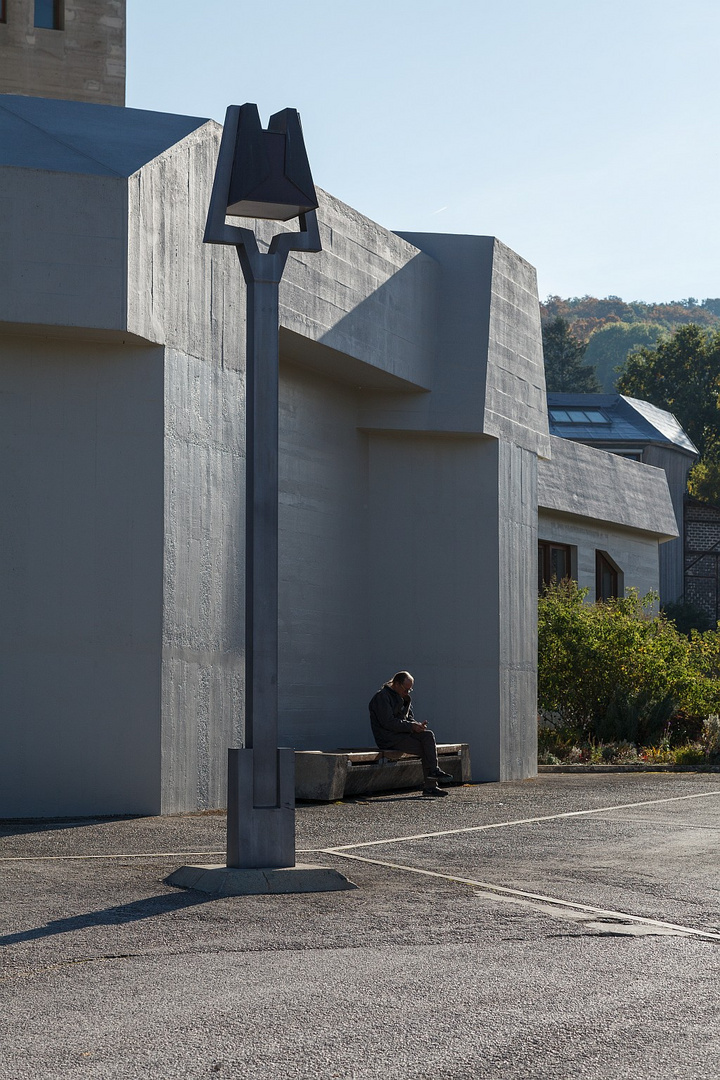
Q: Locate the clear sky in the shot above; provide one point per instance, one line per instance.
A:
(582, 133)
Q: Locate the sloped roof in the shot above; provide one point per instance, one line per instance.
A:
(78, 137)
(627, 421)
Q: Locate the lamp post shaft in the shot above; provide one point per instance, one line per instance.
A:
(261, 779)
(261, 537)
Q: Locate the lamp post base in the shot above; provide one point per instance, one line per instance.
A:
(260, 836)
(228, 881)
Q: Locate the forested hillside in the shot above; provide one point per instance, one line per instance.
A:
(611, 328)
(587, 313)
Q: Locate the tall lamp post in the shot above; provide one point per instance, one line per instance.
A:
(262, 174)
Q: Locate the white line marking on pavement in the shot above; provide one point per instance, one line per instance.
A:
(520, 821)
(141, 855)
(504, 891)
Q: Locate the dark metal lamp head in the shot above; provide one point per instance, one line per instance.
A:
(271, 175)
(260, 174)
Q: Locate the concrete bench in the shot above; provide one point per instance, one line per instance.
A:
(328, 775)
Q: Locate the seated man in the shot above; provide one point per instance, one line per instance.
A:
(395, 728)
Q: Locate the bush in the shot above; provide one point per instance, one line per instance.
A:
(617, 671)
(687, 617)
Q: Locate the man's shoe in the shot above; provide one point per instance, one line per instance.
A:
(434, 792)
(438, 774)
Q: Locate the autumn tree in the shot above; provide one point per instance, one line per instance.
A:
(564, 368)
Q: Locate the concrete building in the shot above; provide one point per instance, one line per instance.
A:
(412, 420)
(70, 49)
(414, 453)
(638, 431)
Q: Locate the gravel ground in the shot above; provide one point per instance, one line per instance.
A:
(109, 972)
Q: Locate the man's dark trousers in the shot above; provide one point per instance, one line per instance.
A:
(420, 743)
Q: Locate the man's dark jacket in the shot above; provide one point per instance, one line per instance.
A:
(390, 715)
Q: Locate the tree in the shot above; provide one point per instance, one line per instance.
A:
(564, 369)
(704, 480)
(610, 344)
(681, 374)
(588, 313)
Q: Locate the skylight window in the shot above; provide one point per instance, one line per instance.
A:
(578, 416)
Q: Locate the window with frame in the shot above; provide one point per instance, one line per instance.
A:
(554, 562)
(607, 577)
(3, 11)
(49, 14)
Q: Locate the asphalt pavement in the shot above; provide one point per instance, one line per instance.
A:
(562, 927)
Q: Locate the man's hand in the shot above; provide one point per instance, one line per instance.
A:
(419, 727)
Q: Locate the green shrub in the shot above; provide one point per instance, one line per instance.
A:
(690, 756)
(617, 671)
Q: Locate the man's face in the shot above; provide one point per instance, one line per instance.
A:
(406, 687)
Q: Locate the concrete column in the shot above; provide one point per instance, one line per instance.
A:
(453, 548)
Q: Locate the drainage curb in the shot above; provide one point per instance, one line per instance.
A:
(620, 768)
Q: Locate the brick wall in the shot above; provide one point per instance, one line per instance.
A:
(702, 557)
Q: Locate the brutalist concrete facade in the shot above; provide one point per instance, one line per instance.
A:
(412, 420)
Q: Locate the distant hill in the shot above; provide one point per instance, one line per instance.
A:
(612, 327)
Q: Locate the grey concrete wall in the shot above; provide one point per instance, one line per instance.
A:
(361, 311)
(596, 485)
(81, 486)
(452, 589)
(488, 376)
(517, 611)
(369, 295)
(85, 61)
(181, 292)
(202, 624)
(193, 298)
(326, 680)
(63, 249)
(676, 467)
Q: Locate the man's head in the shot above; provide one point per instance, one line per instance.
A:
(402, 683)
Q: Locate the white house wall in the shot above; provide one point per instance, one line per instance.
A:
(635, 554)
(596, 501)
